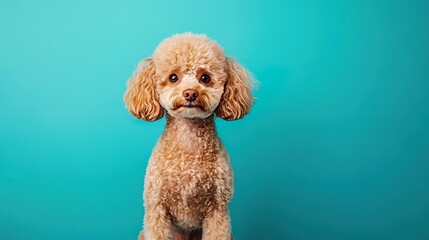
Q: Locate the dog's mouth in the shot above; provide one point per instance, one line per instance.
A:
(202, 103)
(192, 105)
(188, 105)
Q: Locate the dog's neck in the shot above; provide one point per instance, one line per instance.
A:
(191, 134)
(191, 126)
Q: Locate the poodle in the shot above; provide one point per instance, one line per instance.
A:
(189, 179)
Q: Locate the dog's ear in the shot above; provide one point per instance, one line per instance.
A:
(141, 97)
(237, 98)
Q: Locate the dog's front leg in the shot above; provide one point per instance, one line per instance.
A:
(157, 225)
(216, 225)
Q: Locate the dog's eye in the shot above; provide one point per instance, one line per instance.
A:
(205, 78)
(173, 78)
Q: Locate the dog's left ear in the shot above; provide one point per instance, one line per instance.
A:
(237, 98)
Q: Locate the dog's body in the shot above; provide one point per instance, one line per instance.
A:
(195, 183)
(189, 180)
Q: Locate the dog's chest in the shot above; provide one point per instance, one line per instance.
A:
(189, 166)
(188, 189)
(189, 181)
(188, 174)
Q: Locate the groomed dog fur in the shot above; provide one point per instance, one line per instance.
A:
(189, 180)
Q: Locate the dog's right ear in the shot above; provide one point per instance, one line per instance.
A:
(141, 97)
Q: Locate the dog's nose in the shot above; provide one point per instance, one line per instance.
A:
(190, 94)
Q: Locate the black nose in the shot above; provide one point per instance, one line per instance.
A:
(190, 94)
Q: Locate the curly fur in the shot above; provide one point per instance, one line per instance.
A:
(189, 180)
(141, 98)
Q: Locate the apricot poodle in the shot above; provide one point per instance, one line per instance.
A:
(189, 180)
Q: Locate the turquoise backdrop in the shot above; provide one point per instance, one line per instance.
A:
(336, 147)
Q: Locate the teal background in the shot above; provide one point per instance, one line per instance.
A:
(336, 147)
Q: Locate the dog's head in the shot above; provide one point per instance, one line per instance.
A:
(190, 77)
